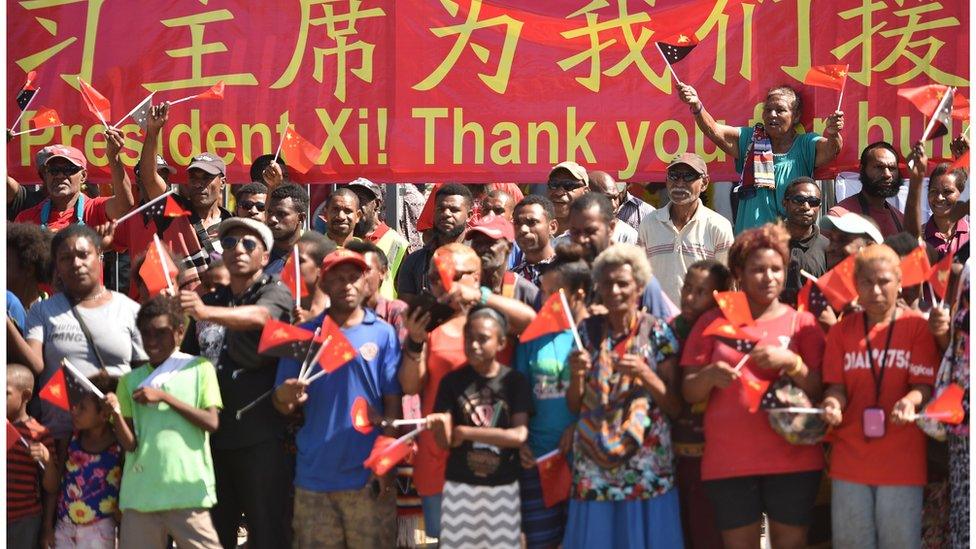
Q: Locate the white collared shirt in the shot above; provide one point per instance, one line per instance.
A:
(707, 235)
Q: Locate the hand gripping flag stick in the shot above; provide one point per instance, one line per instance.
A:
(269, 392)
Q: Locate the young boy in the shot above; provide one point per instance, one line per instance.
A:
(25, 463)
(687, 433)
(165, 412)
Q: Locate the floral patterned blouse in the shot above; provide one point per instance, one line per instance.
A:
(90, 487)
(622, 445)
(958, 352)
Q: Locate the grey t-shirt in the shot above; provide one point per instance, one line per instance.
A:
(113, 328)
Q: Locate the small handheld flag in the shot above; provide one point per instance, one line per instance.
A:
(214, 92)
(939, 276)
(284, 340)
(915, 267)
(97, 104)
(291, 276)
(360, 416)
(298, 151)
(27, 92)
(425, 220)
(552, 318)
(735, 307)
(387, 452)
(444, 264)
(833, 77)
(46, 118)
(837, 284)
(947, 407)
(555, 477)
(158, 271)
(753, 389)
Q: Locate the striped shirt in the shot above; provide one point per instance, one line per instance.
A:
(707, 235)
(23, 473)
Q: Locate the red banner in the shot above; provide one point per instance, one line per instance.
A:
(469, 90)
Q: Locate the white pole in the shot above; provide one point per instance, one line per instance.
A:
(84, 380)
(569, 316)
(280, 142)
(298, 277)
(162, 260)
(841, 96)
(36, 130)
(134, 109)
(306, 368)
(143, 207)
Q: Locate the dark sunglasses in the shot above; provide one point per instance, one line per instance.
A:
(247, 205)
(687, 177)
(69, 170)
(799, 200)
(230, 242)
(567, 186)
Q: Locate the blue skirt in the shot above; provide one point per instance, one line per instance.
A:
(646, 523)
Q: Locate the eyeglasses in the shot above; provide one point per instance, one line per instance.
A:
(230, 242)
(687, 177)
(800, 200)
(68, 170)
(247, 205)
(564, 185)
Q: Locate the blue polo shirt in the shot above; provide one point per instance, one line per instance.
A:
(330, 451)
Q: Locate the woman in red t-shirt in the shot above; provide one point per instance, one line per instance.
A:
(879, 368)
(747, 468)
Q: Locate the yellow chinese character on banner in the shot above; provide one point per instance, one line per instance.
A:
(339, 27)
(624, 24)
(87, 54)
(920, 51)
(497, 82)
(196, 50)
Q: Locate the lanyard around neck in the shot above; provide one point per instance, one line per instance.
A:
(79, 211)
(882, 358)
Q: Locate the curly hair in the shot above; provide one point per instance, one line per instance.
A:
(768, 237)
(32, 247)
(161, 305)
(622, 254)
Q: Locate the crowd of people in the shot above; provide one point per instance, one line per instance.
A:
(177, 429)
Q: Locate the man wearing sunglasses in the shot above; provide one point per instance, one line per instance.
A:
(684, 231)
(252, 201)
(802, 201)
(567, 182)
(250, 463)
(63, 170)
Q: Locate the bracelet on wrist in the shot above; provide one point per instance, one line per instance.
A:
(485, 292)
(412, 346)
(796, 368)
(698, 111)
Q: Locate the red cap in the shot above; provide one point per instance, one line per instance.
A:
(71, 154)
(494, 226)
(341, 256)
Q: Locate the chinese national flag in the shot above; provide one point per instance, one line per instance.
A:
(939, 276)
(288, 278)
(46, 118)
(299, 153)
(827, 76)
(55, 391)
(284, 340)
(915, 267)
(551, 319)
(555, 478)
(13, 435)
(338, 350)
(753, 389)
(155, 268)
(735, 307)
(426, 219)
(360, 416)
(721, 327)
(444, 263)
(215, 92)
(947, 407)
(927, 98)
(837, 284)
(97, 103)
(386, 453)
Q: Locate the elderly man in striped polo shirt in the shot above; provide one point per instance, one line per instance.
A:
(684, 231)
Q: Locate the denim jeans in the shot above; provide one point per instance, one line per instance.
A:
(876, 517)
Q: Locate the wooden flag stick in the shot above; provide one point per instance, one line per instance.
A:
(22, 111)
(668, 63)
(143, 207)
(134, 109)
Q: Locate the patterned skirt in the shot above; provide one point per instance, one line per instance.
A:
(958, 491)
(476, 517)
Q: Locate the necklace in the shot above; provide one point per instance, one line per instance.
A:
(93, 297)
